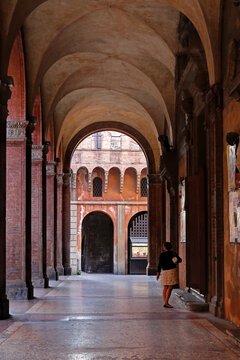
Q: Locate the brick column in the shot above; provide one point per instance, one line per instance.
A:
(155, 240)
(5, 95)
(58, 224)
(17, 287)
(50, 174)
(37, 247)
(66, 224)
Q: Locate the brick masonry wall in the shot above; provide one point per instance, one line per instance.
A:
(15, 215)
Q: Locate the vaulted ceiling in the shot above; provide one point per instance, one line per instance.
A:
(106, 60)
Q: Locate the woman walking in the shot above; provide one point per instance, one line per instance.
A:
(168, 260)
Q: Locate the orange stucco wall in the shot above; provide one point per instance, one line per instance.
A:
(231, 122)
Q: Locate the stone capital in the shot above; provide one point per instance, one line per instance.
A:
(16, 130)
(214, 99)
(66, 179)
(50, 168)
(37, 152)
(154, 179)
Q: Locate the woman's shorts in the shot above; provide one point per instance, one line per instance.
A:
(169, 277)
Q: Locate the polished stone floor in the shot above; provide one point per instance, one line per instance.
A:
(106, 317)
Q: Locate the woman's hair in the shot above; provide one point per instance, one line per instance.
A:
(168, 245)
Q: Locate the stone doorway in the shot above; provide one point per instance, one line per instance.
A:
(138, 244)
(97, 243)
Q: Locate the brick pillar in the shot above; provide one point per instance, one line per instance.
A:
(5, 95)
(46, 146)
(155, 240)
(50, 174)
(37, 248)
(214, 129)
(66, 224)
(58, 224)
(17, 287)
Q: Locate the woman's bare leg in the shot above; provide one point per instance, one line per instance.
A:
(165, 294)
(168, 293)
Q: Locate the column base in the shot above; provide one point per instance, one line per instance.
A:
(216, 307)
(60, 270)
(38, 282)
(20, 292)
(67, 270)
(51, 273)
(150, 270)
(4, 308)
(46, 282)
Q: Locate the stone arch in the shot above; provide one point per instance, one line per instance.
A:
(115, 126)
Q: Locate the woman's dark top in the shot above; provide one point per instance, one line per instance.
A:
(165, 260)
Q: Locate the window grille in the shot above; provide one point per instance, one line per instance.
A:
(97, 187)
(139, 227)
(144, 191)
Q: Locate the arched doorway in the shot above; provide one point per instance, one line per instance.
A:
(138, 243)
(97, 243)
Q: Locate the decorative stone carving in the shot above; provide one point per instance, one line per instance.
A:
(46, 147)
(16, 130)
(50, 167)
(169, 170)
(32, 122)
(74, 181)
(214, 99)
(165, 143)
(105, 181)
(121, 182)
(89, 181)
(154, 179)
(37, 152)
(138, 183)
(66, 179)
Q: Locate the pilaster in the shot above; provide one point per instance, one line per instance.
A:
(155, 224)
(17, 287)
(214, 130)
(5, 95)
(66, 223)
(50, 175)
(58, 222)
(37, 246)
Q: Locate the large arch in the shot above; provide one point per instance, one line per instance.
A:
(115, 126)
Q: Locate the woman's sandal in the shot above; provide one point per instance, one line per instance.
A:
(168, 306)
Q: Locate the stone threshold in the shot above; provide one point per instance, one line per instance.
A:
(235, 335)
(191, 301)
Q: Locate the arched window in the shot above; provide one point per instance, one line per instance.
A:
(97, 187)
(144, 191)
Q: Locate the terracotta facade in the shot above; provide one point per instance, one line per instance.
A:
(121, 165)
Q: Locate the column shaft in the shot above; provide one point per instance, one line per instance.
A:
(66, 224)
